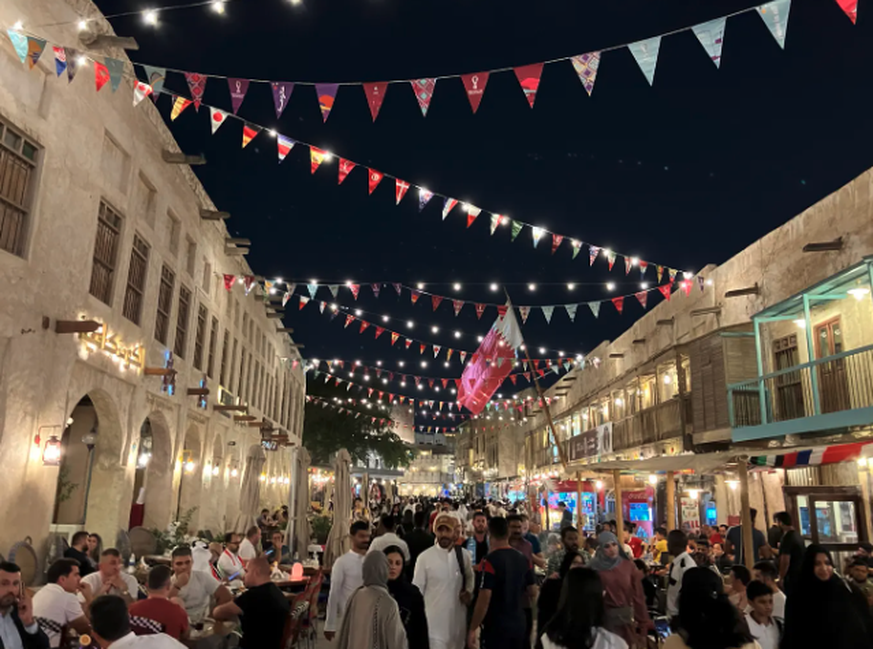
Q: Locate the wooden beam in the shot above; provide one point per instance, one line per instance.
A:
(616, 355)
(214, 215)
(76, 326)
(244, 417)
(667, 322)
(236, 252)
(237, 241)
(639, 341)
(824, 246)
(619, 510)
(746, 515)
(92, 41)
(273, 314)
(218, 407)
(749, 290)
(157, 371)
(285, 330)
(671, 501)
(178, 158)
(198, 392)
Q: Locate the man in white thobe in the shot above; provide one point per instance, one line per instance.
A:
(346, 577)
(447, 587)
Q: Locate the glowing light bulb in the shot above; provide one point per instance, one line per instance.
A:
(610, 286)
(644, 285)
(424, 363)
(401, 363)
(218, 7)
(456, 286)
(384, 318)
(571, 286)
(435, 329)
(379, 363)
(457, 334)
(494, 287)
(479, 338)
(531, 287)
(82, 25)
(150, 17)
(410, 324)
(328, 156)
(359, 313)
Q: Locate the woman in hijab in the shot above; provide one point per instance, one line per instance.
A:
(372, 620)
(823, 610)
(550, 593)
(707, 619)
(409, 600)
(626, 614)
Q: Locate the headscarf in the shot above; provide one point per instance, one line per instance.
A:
(375, 570)
(601, 561)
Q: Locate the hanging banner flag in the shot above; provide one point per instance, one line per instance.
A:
(364, 325)
(72, 57)
(524, 311)
(610, 257)
(376, 288)
(379, 332)
(216, 117)
(414, 295)
(423, 197)
(472, 213)
(394, 337)
(155, 77)
(593, 251)
(448, 206)
(281, 95)
(628, 262)
(618, 302)
(436, 352)
(229, 281)
(116, 72)
(595, 308)
(516, 229)
(481, 379)
(586, 69)
(495, 221)
(547, 312)
(238, 89)
(711, 37)
(355, 289)
(179, 105)
(529, 78)
(577, 246)
(571, 311)
(480, 309)
(326, 97)
(375, 93)
(643, 265)
(421, 349)
(398, 288)
(400, 187)
(646, 54)
(345, 166)
(250, 131)
(60, 60)
(665, 291)
(316, 157)
(248, 283)
(407, 342)
(474, 84)
(556, 242)
(686, 286)
(284, 144)
(642, 296)
(140, 91)
(458, 305)
(19, 43)
(775, 16)
(35, 48)
(850, 7)
(101, 75)
(436, 300)
(286, 297)
(375, 179)
(349, 320)
(197, 85)
(423, 89)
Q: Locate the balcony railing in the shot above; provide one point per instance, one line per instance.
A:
(841, 383)
(654, 424)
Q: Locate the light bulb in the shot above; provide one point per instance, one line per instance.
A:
(419, 286)
(456, 286)
(571, 286)
(610, 286)
(457, 334)
(400, 363)
(435, 329)
(150, 17)
(359, 313)
(410, 324)
(82, 25)
(531, 287)
(384, 318)
(494, 287)
(542, 350)
(218, 7)
(644, 285)
(479, 339)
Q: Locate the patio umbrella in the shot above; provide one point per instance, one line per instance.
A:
(338, 542)
(297, 534)
(250, 490)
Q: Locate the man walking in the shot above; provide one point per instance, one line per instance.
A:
(519, 543)
(385, 536)
(346, 577)
(418, 540)
(569, 543)
(477, 544)
(444, 575)
(791, 548)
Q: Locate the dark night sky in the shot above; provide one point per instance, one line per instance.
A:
(684, 173)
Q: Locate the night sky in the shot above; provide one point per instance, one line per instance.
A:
(684, 173)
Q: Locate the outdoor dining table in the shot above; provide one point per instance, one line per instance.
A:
(155, 559)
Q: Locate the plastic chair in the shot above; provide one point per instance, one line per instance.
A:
(145, 626)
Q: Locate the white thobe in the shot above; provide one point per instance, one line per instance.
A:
(439, 579)
(346, 576)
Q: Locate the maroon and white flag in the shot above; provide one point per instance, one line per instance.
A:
(487, 370)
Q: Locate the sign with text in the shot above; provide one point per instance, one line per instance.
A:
(592, 443)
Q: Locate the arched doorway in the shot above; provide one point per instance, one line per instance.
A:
(190, 478)
(215, 479)
(153, 477)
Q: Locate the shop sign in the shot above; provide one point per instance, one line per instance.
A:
(592, 443)
(690, 513)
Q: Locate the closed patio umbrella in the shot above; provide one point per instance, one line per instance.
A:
(250, 490)
(338, 542)
(298, 533)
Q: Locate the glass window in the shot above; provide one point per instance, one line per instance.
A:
(105, 253)
(835, 520)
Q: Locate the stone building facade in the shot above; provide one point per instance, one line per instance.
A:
(95, 225)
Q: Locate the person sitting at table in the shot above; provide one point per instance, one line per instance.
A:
(248, 549)
(194, 588)
(110, 580)
(56, 605)
(112, 627)
(261, 610)
(278, 550)
(229, 563)
(169, 614)
(78, 550)
(18, 628)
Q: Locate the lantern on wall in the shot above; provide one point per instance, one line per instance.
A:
(51, 454)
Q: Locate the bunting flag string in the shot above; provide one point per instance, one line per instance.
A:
(340, 403)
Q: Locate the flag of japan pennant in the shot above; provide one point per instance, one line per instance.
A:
(101, 75)
(374, 179)
(665, 291)
(556, 241)
(711, 36)
(379, 332)
(281, 95)
(238, 89)
(436, 300)
(407, 342)
(436, 351)
(586, 66)
(480, 309)
(645, 53)
(423, 89)
(547, 312)
(394, 337)
(303, 301)
(423, 197)
(326, 97)
(595, 308)
(593, 251)
(364, 325)
(61, 60)
(610, 257)
(216, 117)
(571, 311)
(448, 206)
(179, 105)
(316, 157)
(618, 303)
(495, 221)
(474, 84)
(349, 320)
(229, 281)
(775, 16)
(414, 295)
(472, 213)
(524, 311)
(458, 305)
(250, 131)
(284, 146)
(355, 289)
(642, 296)
(376, 288)
(529, 78)
(375, 93)
(345, 166)
(421, 348)
(400, 187)
(140, 91)
(197, 85)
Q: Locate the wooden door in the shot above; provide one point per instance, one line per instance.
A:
(834, 517)
(832, 383)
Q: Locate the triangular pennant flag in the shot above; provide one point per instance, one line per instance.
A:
(524, 311)
(610, 257)
(480, 309)
(435, 301)
(495, 221)
(595, 308)
(326, 97)
(355, 289)
(618, 302)
(516, 229)
(197, 84)
(529, 78)
(101, 75)
(248, 283)
(571, 311)
(686, 286)
(303, 301)
(345, 166)
(250, 132)
(60, 60)
(646, 54)
(414, 295)
(281, 95)
(35, 48)
(216, 117)
(665, 291)
(643, 266)
(463, 356)
(155, 77)
(229, 281)
(586, 68)
(556, 242)
(672, 273)
(660, 270)
(375, 93)
(513, 378)
(472, 213)
(423, 197)
(436, 352)
(775, 16)
(423, 89)
(449, 355)
(850, 7)
(316, 157)
(376, 288)
(398, 288)
(421, 348)
(313, 289)
(400, 187)
(628, 262)
(407, 342)
(711, 37)
(448, 206)
(364, 325)
(394, 337)
(140, 91)
(374, 179)
(593, 251)
(334, 289)
(284, 144)
(349, 320)
(321, 306)
(379, 332)
(537, 235)
(116, 72)
(238, 89)
(458, 305)
(577, 246)
(72, 57)
(19, 43)
(474, 84)
(642, 296)
(547, 312)
(179, 105)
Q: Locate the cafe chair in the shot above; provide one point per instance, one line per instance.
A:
(294, 622)
(145, 626)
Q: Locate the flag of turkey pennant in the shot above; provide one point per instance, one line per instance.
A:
(249, 133)
(375, 179)
(618, 302)
(316, 157)
(436, 300)
(345, 166)
(400, 187)
(529, 79)
(375, 93)
(474, 84)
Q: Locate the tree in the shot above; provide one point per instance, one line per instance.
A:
(326, 430)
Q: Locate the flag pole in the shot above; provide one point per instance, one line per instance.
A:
(561, 454)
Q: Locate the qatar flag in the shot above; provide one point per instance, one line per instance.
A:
(492, 363)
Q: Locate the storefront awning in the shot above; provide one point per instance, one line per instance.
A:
(815, 456)
(699, 463)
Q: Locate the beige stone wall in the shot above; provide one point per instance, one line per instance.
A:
(43, 375)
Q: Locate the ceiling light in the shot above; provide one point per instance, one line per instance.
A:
(571, 286)
(859, 293)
